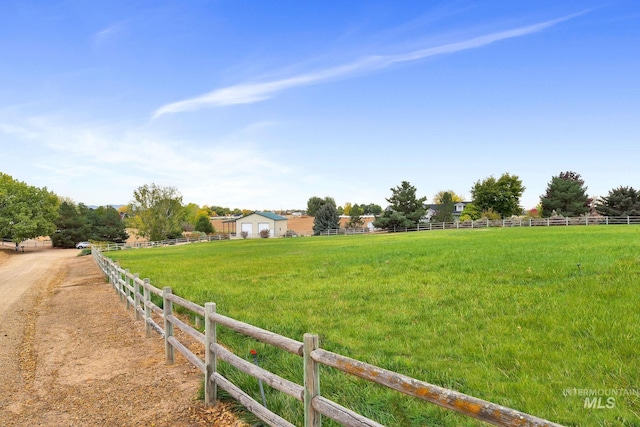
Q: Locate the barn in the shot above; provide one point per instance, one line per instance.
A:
(253, 223)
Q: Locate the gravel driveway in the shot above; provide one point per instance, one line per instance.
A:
(72, 355)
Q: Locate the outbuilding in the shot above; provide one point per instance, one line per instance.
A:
(255, 222)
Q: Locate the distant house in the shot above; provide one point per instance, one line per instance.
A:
(458, 207)
(255, 222)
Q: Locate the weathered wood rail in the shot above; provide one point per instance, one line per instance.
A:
(137, 293)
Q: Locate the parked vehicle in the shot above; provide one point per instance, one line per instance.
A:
(83, 245)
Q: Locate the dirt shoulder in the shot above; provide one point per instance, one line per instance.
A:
(72, 355)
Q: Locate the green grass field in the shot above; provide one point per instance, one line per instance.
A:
(515, 316)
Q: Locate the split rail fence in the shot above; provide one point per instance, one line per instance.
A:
(137, 294)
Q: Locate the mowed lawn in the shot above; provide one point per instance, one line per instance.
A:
(522, 317)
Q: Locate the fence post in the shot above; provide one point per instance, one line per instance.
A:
(147, 309)
(136, 298)
(628, 220)
(312, 417)
(210, 388)
(125, 288)
(167, 310)
(119, 281)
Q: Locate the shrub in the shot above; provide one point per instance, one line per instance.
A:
(244, 234)
(265, 233)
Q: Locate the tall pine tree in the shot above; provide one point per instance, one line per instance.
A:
(621, 201)
(405, 208)
(326, 218)
(566, 195)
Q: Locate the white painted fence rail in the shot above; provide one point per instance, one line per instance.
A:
(137, 292)
(31, 243)
(426, 226)
(524, 222)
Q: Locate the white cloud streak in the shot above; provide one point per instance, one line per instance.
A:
(248, 93)
(108, 33)
(103, 164)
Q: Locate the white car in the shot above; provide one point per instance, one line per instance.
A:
(83, 245)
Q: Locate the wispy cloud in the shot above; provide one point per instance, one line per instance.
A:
(248, 93)
(99, 163)
(20, 131)
(108, 33)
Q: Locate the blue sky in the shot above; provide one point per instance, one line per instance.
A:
(261, 105)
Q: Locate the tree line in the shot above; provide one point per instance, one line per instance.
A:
(491, 198)
(158, 213)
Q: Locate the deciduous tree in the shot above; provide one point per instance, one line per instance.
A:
(315, 203)
(470, 213)
(355, 218)
(26, 211)
(347, 208)
(501, 195)
(371, 209)
(566, 195)
(455, 198)
(156, 212)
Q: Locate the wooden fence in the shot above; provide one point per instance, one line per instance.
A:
(137, 293)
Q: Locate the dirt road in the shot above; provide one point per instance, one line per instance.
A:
(71, 355)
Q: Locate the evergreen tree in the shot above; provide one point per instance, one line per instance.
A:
(107, 225)
(204, 225)
(71, 227)
(315, 203)
(445, 210)
(405, 208)
(391, 220)
(566, 195)
(326, 218)
(621, 201)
